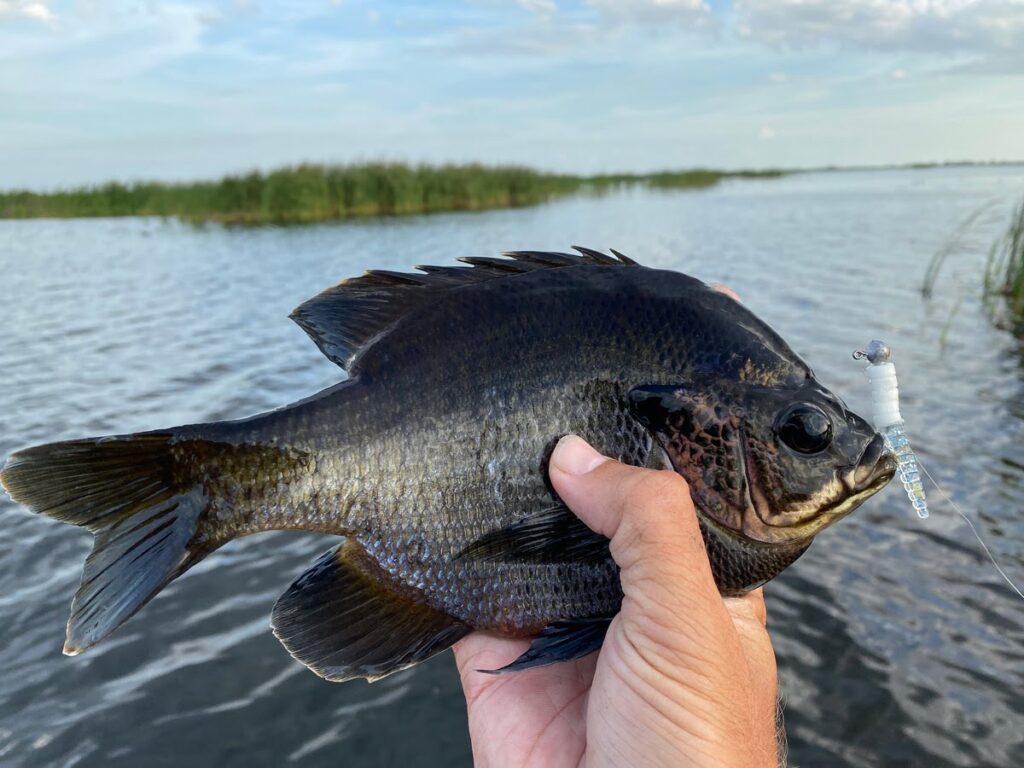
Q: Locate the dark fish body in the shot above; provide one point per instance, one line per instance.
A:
(431, 460)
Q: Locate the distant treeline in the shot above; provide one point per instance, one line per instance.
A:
(308, 193)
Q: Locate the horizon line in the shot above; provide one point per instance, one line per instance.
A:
(140, 181)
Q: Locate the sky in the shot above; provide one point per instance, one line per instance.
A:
(94, 90)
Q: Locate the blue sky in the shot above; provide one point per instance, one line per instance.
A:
(104, 89)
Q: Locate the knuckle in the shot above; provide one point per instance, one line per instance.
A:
(671, 485)
(660, 492)
(653, 506)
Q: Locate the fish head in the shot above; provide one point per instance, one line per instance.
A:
(773, 464)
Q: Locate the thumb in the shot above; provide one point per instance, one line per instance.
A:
(685, 659)
(650, 519)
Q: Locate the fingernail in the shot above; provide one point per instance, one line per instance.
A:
(574, 456)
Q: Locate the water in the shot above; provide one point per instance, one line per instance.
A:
(897, 643)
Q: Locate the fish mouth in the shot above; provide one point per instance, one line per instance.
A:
(875, 467)
(754, 520)
(873, 470)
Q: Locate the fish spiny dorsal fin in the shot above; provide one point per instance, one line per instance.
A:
(346, 319)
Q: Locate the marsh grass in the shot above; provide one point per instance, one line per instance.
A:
(1004, 275)
(308, 193)
(953, 244)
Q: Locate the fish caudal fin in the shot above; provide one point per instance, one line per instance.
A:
(345, 618)
(124, 490)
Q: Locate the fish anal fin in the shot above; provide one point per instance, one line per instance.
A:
(561, 641)
(553, 535)
(345, 617)
(345, 320)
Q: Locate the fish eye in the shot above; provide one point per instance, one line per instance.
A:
(805, 428)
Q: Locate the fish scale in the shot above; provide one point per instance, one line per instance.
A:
(431, 460)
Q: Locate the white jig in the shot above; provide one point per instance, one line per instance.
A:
(885, 407)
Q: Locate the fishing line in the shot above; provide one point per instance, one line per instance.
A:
(974, 530)
(885, 403)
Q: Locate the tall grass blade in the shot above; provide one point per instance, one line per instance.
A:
(1004, 276)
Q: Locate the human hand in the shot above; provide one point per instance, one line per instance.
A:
(685, 677)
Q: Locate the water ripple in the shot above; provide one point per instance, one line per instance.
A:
(897, 643)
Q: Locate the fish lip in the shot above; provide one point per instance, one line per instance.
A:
(875, 467)
(882, 469)
(859, 484)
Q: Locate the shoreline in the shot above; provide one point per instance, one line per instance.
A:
(312, 193)
(318, 193)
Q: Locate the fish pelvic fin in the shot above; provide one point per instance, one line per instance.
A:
(346, 618)
(561, 641)
(129, 492)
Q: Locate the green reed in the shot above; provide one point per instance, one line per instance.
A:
(307, 193)
(1004, 275)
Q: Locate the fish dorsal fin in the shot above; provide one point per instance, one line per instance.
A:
(345, 320)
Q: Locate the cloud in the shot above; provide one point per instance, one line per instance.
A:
(32, 10)
(114, 39)
(689, 12)
(337, 56)
(38, 11)
(933, 26)
(540, 7)
(175, 88)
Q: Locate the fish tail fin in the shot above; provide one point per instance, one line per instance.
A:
(133, 494)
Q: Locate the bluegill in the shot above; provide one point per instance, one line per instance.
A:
(430, 460)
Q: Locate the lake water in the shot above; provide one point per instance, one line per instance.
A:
(897, 643)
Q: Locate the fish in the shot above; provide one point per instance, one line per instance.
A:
(430, 460)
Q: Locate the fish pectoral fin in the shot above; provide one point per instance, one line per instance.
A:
(346, 618)
(553, 535)
(561, 641)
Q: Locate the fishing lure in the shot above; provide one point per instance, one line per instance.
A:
(885, 407)
(885, 412)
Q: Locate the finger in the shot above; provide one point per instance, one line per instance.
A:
(478, 651)
(756, 649)
(608, 495)
(750, 618)
(726, 290)
(647, 514)
(749, 606)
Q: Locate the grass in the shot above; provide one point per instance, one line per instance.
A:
(953, 244)
(307, 193)
(1004, 275)
(1003, 283)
